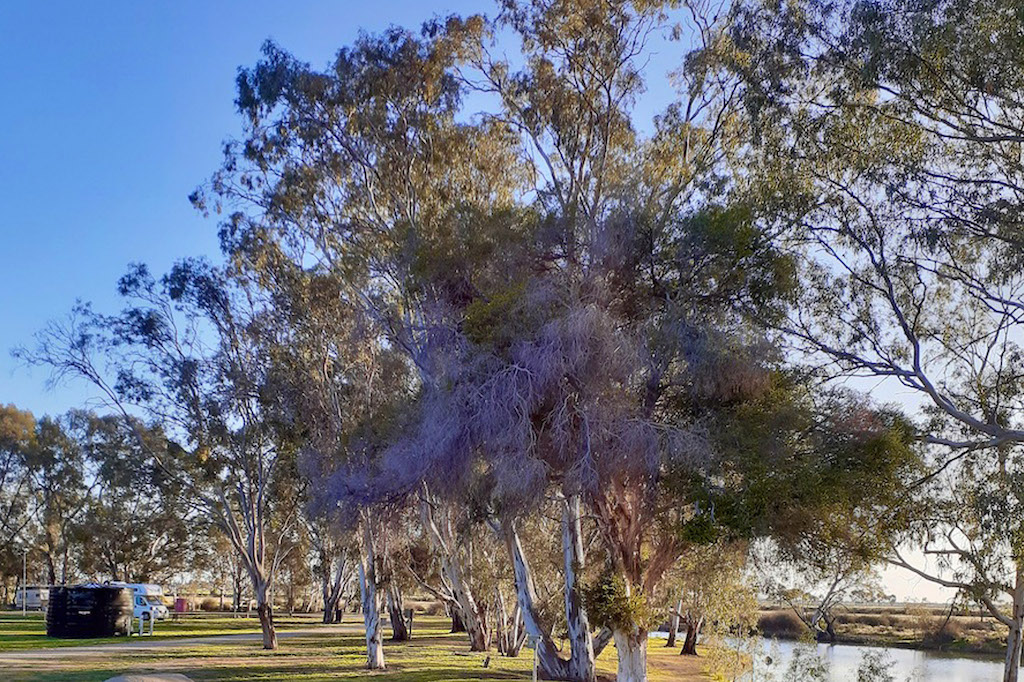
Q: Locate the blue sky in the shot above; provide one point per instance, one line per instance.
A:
(112, 113)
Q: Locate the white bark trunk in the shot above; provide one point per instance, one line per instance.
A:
(1011, 666)
(581, 661)
(371, 603)
(479, 637)
(631, 647)
(1015, 636)
(673, 624)
(266, 614)
(332, 585)
(443, 541)
(551, 665)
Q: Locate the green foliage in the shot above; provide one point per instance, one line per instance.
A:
(875, 666)
(737, 260)
(497, 321)
(795, 467)
(700, 529)
(806, 664)
(611, 604)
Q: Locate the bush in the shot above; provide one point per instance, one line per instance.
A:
(434, 608)
(609, 604)
(210, 604)
(874, 620)
(983, 625)
(783, 624)
(942, 633)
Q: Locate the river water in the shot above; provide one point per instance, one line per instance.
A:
(772, 660)
(843, 661)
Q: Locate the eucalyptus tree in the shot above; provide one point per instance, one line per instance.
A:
(888, 143)
(60, 480)
(967, 527)
(709, 591)
(332, 563)
(17, 437)
(136, 526)
(893, 128)
(449, 533)
(190, 351)
(590, 386)
(822, 476)
(341, 386)
(373, 145)
(441, 224)
(365, 167)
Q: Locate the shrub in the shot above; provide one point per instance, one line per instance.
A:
(781, 624)
(434, 608)
(210, 604)
(608, 603)
(875, 620)
(942, 632)
(983, 625)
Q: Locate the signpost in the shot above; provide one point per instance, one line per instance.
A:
(24, 584)
(531, 642)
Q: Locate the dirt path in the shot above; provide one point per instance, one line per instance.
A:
(144, 644)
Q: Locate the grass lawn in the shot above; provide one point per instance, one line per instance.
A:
(433, 654)
(19, 632)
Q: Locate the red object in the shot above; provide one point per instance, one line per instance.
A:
(180, 605)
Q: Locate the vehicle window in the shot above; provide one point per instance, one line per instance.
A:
(140, 601)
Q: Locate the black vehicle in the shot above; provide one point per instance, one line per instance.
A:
(89, 611)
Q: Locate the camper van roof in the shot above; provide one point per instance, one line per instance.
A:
(144, 588)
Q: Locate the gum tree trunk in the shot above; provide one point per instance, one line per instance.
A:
(581, 660)
(1011, 666)
(472, 619)
(601, 640)
(673, 624)
(517, 634)
(552, 667)
(693, 626)
(501, 623)
(509, 633)
(631, 647)
(332, 586)
(266, 615)
(457, 624)
(1015, 636)
(370, 603)
(399, 631)
(444, 541)
(329, 609)
(237, 586)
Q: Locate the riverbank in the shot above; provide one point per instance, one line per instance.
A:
(919, 627)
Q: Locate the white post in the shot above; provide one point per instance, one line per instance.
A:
(24, 584)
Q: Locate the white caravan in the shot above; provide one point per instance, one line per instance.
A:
(148, 600)
(36, 597)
